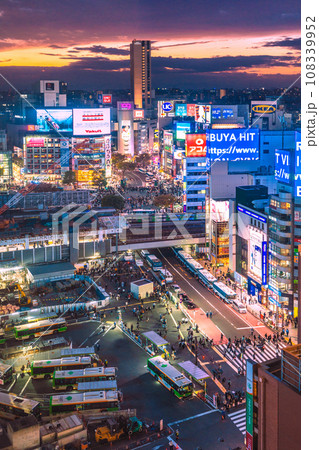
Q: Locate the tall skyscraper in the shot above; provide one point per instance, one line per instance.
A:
(141, 73)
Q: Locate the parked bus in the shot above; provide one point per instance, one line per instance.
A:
(36, 329)
(97, 400)
(107, 385)
(69, 379)
(85, 351)
(207, 278)
(224, 292)
(13, 407)
(6, 373)
(167, 275)
(154, 262)
(45, 369)
(170, 377)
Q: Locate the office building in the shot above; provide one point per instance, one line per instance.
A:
(141, 73)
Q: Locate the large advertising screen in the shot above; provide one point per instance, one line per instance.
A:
(195, 145)
(191, 107)
(283, 166)
(203, 113)
(259, 108)
(180, 109)
(89, 122)
(126, 134)
(166, 109)
(168, 140)
(54, 120)
(181, 129)
(232, 144)
(255, 252)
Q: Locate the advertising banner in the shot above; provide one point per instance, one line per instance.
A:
(35, 142)
(216, 113)
(125, 106)
(107, 99)
(259, 108)
(283, 166)
(254, 255)
(108, 157)
(249, 441)
(166, 109)
(65, 154)
(54, 120)
(168, 140)
(203, 113)
(126, 135)
(232, 145)
(181, 129)
(227, 113)
(220, 210)
(297, 187)
(195, 145)
(264, 263)
(89, 122)
(180, 109)
(249, 413)
(191, 109)
(138, 114)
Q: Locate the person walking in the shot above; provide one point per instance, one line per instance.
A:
(287, 332)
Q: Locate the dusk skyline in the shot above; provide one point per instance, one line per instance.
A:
(232, 45)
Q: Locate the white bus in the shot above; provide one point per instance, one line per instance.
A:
(167, 275)
(13, 407)
(46, 368)
(106, 385)
(97, 400)
(69, 379)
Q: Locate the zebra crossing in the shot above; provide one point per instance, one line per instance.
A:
(238, 360)
(239, 419)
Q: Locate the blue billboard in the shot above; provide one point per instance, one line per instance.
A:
(181, 129)
(264, 263)
(216, 113)
(55, 119)
(283, 166)
(180, 109)
(232, 145)
(297, 186)
(228, 112)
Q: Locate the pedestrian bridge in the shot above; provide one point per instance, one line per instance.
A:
(151, 243)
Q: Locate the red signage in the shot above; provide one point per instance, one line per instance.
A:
(35, 142)
(191, 109)
(196, 145)
(107, 99)
(138, 113)
(249, 441)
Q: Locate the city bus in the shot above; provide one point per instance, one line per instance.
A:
(207, 278)
(170, 377)
(36, 329)
(6, 373)
(69, 379)
(168, 277)
(96, 400)
(224, 292)
(107, 385)
(46, 368)
(85, 351)
(13, 407)
(154, 262)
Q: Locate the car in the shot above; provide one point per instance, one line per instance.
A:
(187, 301)
(176, 288)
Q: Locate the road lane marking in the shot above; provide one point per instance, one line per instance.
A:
(249, 328)
(24, 387)
(192, 417)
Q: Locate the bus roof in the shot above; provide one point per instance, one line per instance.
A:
(97, 385)
(225, 288)
(153, 257)
(89, 372)
(208, 275)
(78, 351)
(84, 397)
(4, 367)
(18, 402)
(40, 323)
(194, 263)
(185, 254)
(62, 361)
(170, 371)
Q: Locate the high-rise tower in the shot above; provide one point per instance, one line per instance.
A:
(141, 73)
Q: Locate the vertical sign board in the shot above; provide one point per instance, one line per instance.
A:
(64, 155)
(297, 187)
(249, 404)
(108, 157)
(264, 263)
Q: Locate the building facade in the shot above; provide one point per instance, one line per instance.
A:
(140, 55)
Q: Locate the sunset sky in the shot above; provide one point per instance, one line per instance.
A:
(196, 44)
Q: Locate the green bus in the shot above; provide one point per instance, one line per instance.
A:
(46, 368)
(6, 373)
(13, 407)
(69, 379)
(170, 377)
(96, 400)
(40, 328)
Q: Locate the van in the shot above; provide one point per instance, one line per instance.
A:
(240, 307)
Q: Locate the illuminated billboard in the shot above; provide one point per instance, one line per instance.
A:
(89, 122)
(220, 210)
(181, 129)
(108, 156)
(216, 113)
(54, 120)
(35, 142)
(126, 135)
(168, 140)
(65, 154)
(166, 109)
(283, 166)
(232, 145)
(203, 113)
(138, 114)
(107, 99)
(191, 109)
(297, 187)
(195, 145)
(259, 108)
(255, 252)
(180, 109)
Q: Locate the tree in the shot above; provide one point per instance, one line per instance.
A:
(126, 166)
(143, 159)
(113, 201)
(164, 200)
(118, 158)
(69, 177)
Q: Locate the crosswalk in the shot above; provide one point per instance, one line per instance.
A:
(239, 419)
(256, 354)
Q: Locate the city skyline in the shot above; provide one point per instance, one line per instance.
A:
(236, 45)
